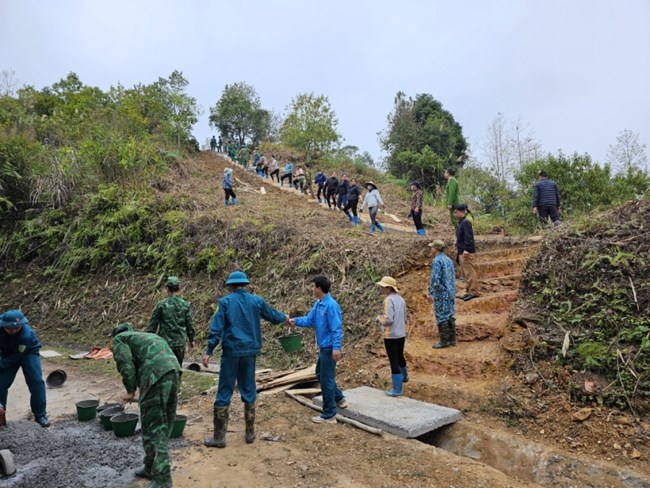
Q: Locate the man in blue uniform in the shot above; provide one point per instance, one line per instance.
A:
(236, 325)
(19, 348)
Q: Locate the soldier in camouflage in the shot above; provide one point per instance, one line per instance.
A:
(145, 361)
(172, 320)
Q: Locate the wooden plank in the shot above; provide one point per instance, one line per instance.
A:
(306, 391)
(339, 418)
(306, 374)
(278, 389)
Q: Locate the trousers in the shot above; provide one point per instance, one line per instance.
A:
(31, 365)
(240, 370)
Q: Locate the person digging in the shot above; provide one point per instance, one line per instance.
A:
(236, 326)
(147, 362)
(442, 292)
(19, 348)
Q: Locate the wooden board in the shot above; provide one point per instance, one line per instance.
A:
(301, 376)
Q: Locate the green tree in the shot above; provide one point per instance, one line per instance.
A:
(311, 126)
(239, 115)
(422, 139)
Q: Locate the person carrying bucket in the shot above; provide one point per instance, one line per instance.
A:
(146, 361)
(373, 201)
(172, 320)
(236, 326)
(19, 348)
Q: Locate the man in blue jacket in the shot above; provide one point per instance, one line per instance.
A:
(320, 181)
(236, 325)
(325, 317)
(19, 348)
(546, 199)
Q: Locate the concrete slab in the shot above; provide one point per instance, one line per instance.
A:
(401, 416)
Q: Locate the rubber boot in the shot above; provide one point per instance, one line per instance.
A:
(397, 386)
(355, 219)
(234, 201)
(421, 232)
(249, 417)
(226, 202)
(220, 422)
(444, 336)
(451, 331)
(380, 227)
(372, 227)
(405, 374)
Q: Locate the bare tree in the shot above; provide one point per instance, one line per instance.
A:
(8, 83)
(628, 153)
(524, 145)
(498, 149)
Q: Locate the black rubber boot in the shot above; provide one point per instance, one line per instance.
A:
(249, 417)
(443, 329)
(144, 472)
(452, 331)
(220, 421)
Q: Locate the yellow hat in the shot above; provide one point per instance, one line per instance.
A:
(387, 281)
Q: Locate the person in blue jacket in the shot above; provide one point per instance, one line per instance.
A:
(320, 181)
(236, 325)
(326, 318)
(228, 187)
(546, 200)
(19, 348)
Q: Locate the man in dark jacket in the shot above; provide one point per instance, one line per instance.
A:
(331, 186)
(342, 190)
(466, 248)
(236, 325)
(19, 348)
(546, 199)
(354, 193)
(320, 181)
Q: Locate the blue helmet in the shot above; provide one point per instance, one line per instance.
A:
(13, 318)
(237, 278)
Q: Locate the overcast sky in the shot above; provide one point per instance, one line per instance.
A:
(576, 71)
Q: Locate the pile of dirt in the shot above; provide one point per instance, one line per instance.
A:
(585, 305)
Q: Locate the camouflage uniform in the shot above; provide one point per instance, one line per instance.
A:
(172, 320)
(442, 287)
(146, 361)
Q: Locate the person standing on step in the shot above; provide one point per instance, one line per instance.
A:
(442, 292)
(320, 181)
(236, 326)
(342, 192)
(393, 330)
(288, 173)
(299, 179)
(466, 248)
(417, 202)
(326, 318)
(213, 144)
(265, 167)
(145, 361)
(546, 200)
(354, 193)
(373, 201)
(452, 194)
(331, 186)
(274, 169)
(19, 348)
(172, 320)
(220, 144)
(228, 187)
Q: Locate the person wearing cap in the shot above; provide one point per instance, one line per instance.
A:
(354, 193)
(442, 292)
(393, 329)
(417, 201)
(452, 194)
(172, 320)
(326, 319)
(19, 348)
(145, 361)
(228, 187)
(236, 326)
(546, 200)
(466, 249)
(373, 201)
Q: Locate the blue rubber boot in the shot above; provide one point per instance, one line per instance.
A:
(380, 227)
(356, 220)
(372, 227)
(421, 232)
(234, 201)
(397, 386)
(405, 374)
(227, 202)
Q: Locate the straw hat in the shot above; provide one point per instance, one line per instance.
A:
(387, 281)
(371, 183)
